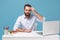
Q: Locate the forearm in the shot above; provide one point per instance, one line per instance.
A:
(23, 30)
(38, 15)
(20, 30)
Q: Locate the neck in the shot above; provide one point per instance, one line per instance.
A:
(27, 16)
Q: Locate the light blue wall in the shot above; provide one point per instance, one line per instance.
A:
(11, 9)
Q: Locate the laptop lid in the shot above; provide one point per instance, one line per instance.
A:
(50, 27)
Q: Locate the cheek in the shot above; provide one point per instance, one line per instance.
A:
(25, 11)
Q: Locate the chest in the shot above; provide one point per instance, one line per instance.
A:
(27, 21)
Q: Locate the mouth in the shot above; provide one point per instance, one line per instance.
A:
(27, 14)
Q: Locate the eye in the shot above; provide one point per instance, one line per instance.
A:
(26, 10)
(29, 10)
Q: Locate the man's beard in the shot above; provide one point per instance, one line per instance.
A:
(27, 15)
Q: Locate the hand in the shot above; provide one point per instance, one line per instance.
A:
(32, 9)
(28, 31)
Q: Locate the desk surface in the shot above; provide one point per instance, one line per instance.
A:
(29, 36)
(24, 34)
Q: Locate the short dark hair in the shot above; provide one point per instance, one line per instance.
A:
(27, 5)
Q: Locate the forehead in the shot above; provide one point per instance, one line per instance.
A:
(27, 7)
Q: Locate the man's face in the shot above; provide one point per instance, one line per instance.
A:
(27, 11)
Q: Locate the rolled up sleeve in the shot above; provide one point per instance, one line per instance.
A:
(17, 24)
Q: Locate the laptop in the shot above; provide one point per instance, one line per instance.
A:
(50, 28)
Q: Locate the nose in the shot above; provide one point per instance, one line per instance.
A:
(28, 11)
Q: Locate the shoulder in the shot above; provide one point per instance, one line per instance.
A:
(20, 17)
(33, 16)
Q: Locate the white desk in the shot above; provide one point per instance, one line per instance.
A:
(29, 36)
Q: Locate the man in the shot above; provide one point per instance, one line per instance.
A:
(25, 22)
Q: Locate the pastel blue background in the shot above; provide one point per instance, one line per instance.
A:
(11, 9)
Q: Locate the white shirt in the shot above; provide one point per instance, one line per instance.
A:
(24, 23)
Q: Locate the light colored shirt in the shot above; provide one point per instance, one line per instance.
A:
(24, 23)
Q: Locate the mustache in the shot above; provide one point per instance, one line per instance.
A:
(26, 14)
